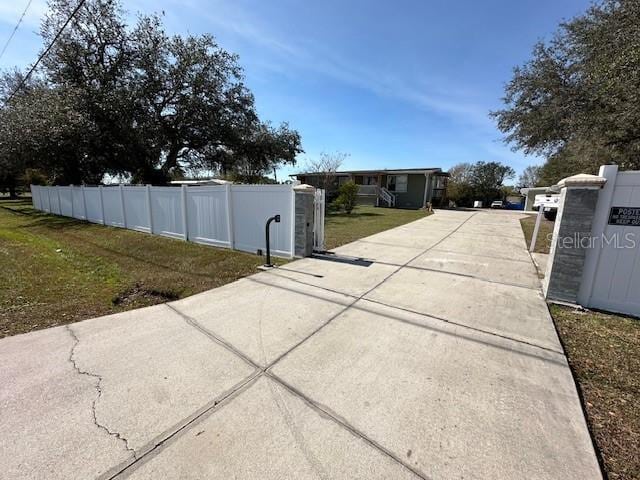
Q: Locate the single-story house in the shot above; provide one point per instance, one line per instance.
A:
(397, 188)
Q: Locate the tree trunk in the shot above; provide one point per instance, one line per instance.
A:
(171, 160)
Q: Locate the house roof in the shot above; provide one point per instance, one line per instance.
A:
(204, 181)
(376, 172)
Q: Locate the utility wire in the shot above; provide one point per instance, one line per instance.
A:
(46, 50)
(15, 29)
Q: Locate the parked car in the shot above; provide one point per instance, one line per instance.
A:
(549, 203)
(497, 204)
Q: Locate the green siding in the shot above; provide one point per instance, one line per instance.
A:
(414, 196)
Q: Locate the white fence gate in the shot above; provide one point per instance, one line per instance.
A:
(611, 277)
(231, 216)
(318, 219)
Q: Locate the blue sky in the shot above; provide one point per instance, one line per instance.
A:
(393, 84)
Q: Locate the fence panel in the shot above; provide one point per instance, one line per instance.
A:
(251, 206)
(166, 210)
(94, 204)
(66, 201)
(207, 212)
(137, 208)
(78, 203)
(44, 199)
(112, 206)
(54, 200)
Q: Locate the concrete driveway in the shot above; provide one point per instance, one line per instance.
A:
(435, 357)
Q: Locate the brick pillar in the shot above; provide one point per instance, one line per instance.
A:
(571, 236)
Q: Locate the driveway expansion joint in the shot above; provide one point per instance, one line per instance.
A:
(464, 326)
(464, 275)
(157, 445)
(98, 387)
(192, 322)
(326, 412)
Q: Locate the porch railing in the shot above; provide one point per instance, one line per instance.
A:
(387, 197)
(367, 189)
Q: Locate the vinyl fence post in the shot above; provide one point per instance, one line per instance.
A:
(536, 228)
(103, 220)
(318, 219)
(124, 212)
(292, 220)
(59, 201)
(149, 209)
(229, 216)
(185, 222)
(72, 215)
(49, 198)
(84, 203)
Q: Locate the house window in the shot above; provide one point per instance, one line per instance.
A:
(369, 180)
(397, 183)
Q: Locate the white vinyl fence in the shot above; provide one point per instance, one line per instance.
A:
(231, 216)
(611, 278)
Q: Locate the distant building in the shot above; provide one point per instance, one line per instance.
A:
(398, 188)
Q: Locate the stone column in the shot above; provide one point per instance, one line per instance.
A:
(571, 236)
(304, 220)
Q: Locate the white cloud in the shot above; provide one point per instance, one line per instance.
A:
(288, 55)
(10, 12)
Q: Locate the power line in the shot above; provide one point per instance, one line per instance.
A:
(15, 29)
(46, 50)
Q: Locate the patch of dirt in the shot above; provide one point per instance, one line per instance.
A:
(139, 295)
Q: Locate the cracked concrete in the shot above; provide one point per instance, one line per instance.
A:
(98, 390)
(155, 370)
(438, 360)
(47, 427)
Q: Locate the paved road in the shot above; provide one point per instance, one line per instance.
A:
(435, 358)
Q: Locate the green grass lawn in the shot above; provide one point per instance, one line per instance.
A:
(57, 270)
(341, 228)
(543, 243)
(604, 354)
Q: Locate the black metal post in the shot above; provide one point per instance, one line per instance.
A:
(275, 218)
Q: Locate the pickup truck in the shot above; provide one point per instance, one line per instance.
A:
(549, 203)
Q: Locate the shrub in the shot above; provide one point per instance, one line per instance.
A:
(348, 196)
